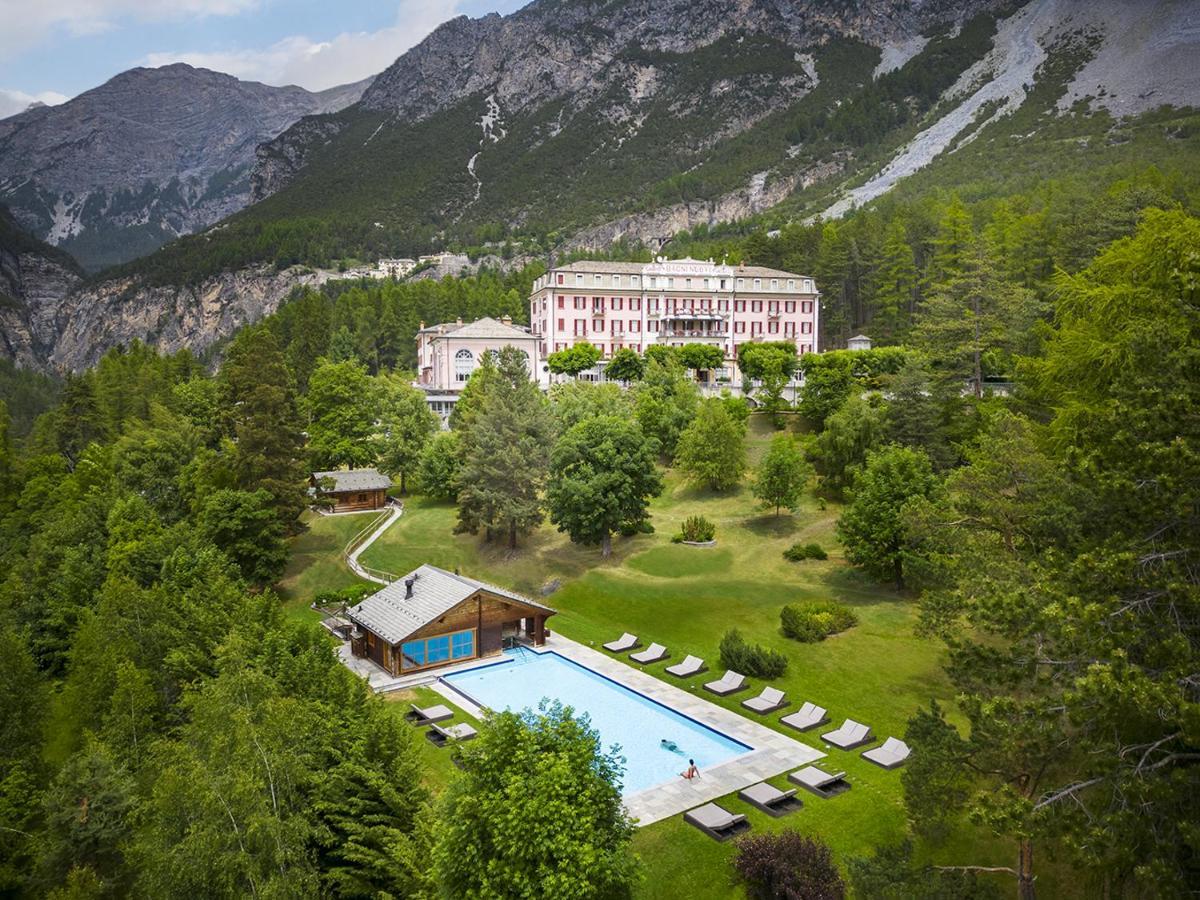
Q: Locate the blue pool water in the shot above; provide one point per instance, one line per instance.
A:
(624, 717)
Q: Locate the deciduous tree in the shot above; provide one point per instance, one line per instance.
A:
(603, 477)
(712, 449)
(404, 427)
(341, 408)
(780, 478)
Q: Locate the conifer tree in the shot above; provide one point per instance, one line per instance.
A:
(506, 454)
(260, 408)
(896, 289)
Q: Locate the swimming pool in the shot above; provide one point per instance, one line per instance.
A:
(624, 717)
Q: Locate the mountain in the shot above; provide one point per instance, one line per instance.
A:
(572, 125)
(149, 155)
(35, 280)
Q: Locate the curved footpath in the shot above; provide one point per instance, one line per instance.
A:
(352, 557)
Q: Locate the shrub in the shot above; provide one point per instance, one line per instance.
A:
(787, 866)
(698, 528)
(798, 553)
(812, 622)
(750, 659)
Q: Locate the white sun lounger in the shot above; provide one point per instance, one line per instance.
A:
(429, 714)
(691, 665)
(807, 716)
(719, 824)
(852, 734)
(770, 799)
(651, 654)
(891, 753)
(819, 782)
(460, 732)
(728, 683)
(768, 701)
(625, 642)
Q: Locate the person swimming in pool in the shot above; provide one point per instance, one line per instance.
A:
(669, 745)
(692, 771)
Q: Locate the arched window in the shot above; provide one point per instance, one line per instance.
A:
(464, 365)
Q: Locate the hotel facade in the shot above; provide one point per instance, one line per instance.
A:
(616, 305)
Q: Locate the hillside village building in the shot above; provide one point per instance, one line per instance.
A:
(447, 354)
(673, 302)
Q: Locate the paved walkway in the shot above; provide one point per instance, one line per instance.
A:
(358, 568)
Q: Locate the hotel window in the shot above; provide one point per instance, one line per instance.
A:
(806, 306)
(789, 327)
(616, 281)
(789, 306)
(579, 278)
(634, 280)
(652, 327)
(808, 284)
(597, 325)
(562, 302)
(688, 283)
(618, 303)
(653, 304)
(635, 303)
(597, 280)
(740, 327)
(756, 327)
(806, 348)
(741, 283)
(755, 306)
(560, 278)
(706, 286)
(791, 284)
(773, 306)
(616, 326)
(598, 304)
(580, 302)
(806, 327)
(670, 281)
(723, 280)
(464, 365)
(758, 284)
(774, 284)
(722, 305)
(773, 327)
(561, 325)
(580, 327)
(635, 326)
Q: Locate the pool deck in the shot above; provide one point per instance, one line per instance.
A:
(773, 754)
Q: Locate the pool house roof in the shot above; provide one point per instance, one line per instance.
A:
(354, 480)
(423, 596)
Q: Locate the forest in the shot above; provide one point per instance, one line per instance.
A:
(1020, 456)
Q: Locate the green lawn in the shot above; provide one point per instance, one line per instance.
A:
(316, 564)
(878, 672)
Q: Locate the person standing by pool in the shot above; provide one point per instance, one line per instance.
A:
(692, 771)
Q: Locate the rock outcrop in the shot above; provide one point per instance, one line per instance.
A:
(147, 156)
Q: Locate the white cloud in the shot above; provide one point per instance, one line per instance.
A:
(13, 102)
(27, 24)
(316, 65)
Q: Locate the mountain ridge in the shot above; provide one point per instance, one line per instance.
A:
(151, 154)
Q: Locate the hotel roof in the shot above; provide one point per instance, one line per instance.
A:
(480, 328)
(603, 267)
(393, 616)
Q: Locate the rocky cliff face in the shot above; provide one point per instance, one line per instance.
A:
(34, 281)
(145, 157)
(91, 320)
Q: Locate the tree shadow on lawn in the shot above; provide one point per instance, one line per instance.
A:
(772, 526)
(858, 589)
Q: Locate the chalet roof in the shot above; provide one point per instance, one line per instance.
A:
(435, 592)
(488, 328)
(860, 337)
(355, 480)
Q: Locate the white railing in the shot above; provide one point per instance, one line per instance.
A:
(350, 547)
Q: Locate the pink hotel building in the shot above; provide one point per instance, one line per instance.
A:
(674, 302)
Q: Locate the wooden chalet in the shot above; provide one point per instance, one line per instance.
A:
(351, 490)
(431, 618)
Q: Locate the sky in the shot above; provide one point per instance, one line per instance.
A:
(51, 50)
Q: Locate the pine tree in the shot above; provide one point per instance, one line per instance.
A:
(952, 245)
(506, 451)
(260, 408)
(896, 288)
